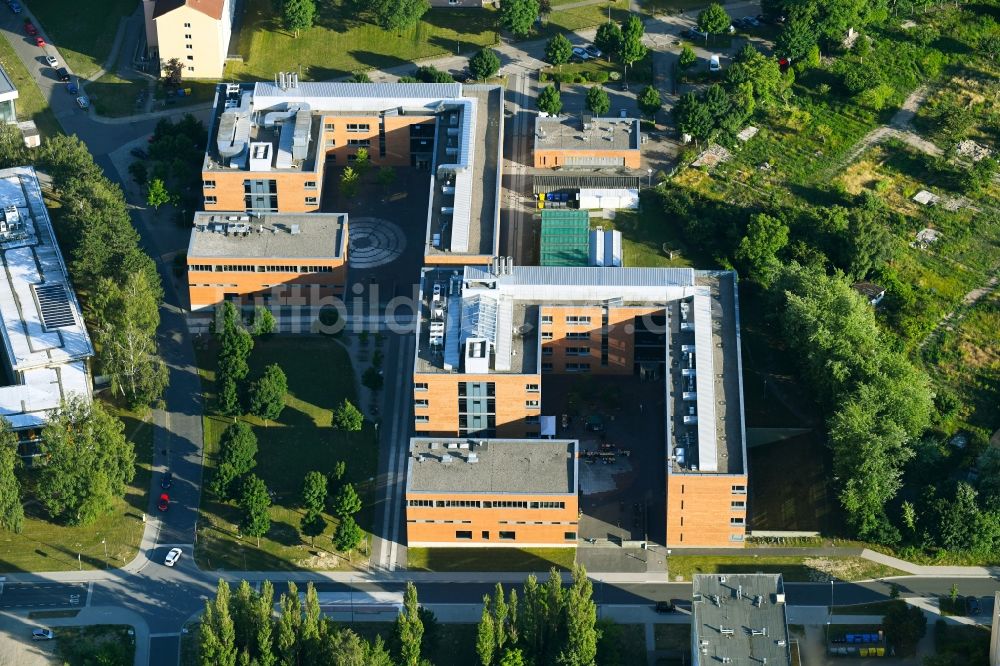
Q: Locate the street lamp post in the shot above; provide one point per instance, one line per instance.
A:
(649, 177)
(104, 542)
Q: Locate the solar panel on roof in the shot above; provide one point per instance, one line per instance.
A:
(53, 303)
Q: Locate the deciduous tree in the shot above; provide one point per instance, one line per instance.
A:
(348, 535)
(314, 491)
(714, 20)
(687, 58)
(346, 503)
(633, 50)
(157, 194)
(650, 102)
(609, 39)
(298, 15)
(347, 417)
(399, 15)
(11, 507)
(256, 504)
(558, 50)
(518, 16)
(765, 237)
(409, 628)
(267, 394)
(549, 101)
(597, 101)
(484, 64)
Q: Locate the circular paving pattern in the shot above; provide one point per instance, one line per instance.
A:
(373, 242)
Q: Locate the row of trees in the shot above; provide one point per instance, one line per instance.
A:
(551, 624)
(265, 396)
(395, 15)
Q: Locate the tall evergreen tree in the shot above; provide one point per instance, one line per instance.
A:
(409, 628)
(486, 639)
(580, 614)
(11, 507)
(256, 504)
(289, 626)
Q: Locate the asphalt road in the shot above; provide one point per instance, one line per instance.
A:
(43, 595)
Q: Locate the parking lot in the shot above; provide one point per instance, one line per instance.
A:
(622, 471)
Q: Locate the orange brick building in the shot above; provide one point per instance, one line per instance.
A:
(492, 492)
(269, 259)
(272, 144)
(594, 142)
(488, 336)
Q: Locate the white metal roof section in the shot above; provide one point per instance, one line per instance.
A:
(505, 332)
(354, 96)
(708, 453)
(463, 132)
(584, 283)
(44, 336)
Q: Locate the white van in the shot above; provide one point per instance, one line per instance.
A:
(714, 65)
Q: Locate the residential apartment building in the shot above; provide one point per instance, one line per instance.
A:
(46, 348)
(488, 336)
(566, 141)
(273, 142)
(492, 492)
(8, 95)
(740, 619)
(195, 32)
(271, 259)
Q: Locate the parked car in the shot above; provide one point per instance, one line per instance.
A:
(168, 477)
(42, 634)
(84, 103)
(714, 65)
(164, 502)
(14, 7)
(72, 88)
(63, 74)
(972, 606)
(172, 557)
(39, 42)
(665, 607)
(52, 61)
(30, 28)
(581, 53)
(593, 51)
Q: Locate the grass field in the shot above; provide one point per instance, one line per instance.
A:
(672, 637)
(538, 560)
(30, 104)
(45, 546)
(794, 569)
(342, 42)
(577, 18)
(82, 31)
(319, 377)
(114, 96)
(644, 234)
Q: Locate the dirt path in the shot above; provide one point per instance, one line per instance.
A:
(955, 317)
(900, 127)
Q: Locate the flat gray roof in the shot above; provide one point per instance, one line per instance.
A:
(535, 466)
(568, 133)
(45, 340)
(269, 235)
(740, 617)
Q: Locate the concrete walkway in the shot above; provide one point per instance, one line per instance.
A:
(930, 570)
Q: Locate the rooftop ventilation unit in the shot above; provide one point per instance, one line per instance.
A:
(446, 459)
(473, 457)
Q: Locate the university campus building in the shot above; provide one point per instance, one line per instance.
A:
(271, 259)
(489, 335)
(46, 348)
(195, 32)
(492, 492)
(567, 141)
(740, 619)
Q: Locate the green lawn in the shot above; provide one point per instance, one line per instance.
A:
(319, 377)
(489, 559)
(95, 644)
(114, 96)
(83, 31)
(46, 546)
(30, 104)
(643, 235)
(600, 68)
(672, 637)
(342, 42)
(874, 608)
(588, 16)
(794, 569)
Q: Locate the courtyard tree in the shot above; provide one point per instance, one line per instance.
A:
(633, 50)
(255, 502)
(558, 50)
(687, 57)
(347, 535)
(267, 394)
(484, 64)
(386, 176)
(372, 378)
(237, 456)
(609, 39)
(398, 15)
(714, 20)
(88, 462)
(313, 525)
(298, 15)
(362, 161)
(314, 491)
(597, 101)
(11, 506)
(649, 101)
(264, 322)
(173, 71)
(157, 194)
(518, 16)
(349, 183)
(549, 101)
(347, 417)
(346, 503)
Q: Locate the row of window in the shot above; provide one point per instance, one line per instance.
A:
(423, 403)
(735, 505)
(571, 320)
(737, 489)
(530, 388)
(240, 268)
(465, 535)
(487, 504)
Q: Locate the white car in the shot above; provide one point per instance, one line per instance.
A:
(42, 634)
(83, 102)
(172, 557)
(52, 60)
(714, 65)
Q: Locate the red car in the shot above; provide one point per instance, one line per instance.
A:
(39, 42)
(164, 502)
(30, 28)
